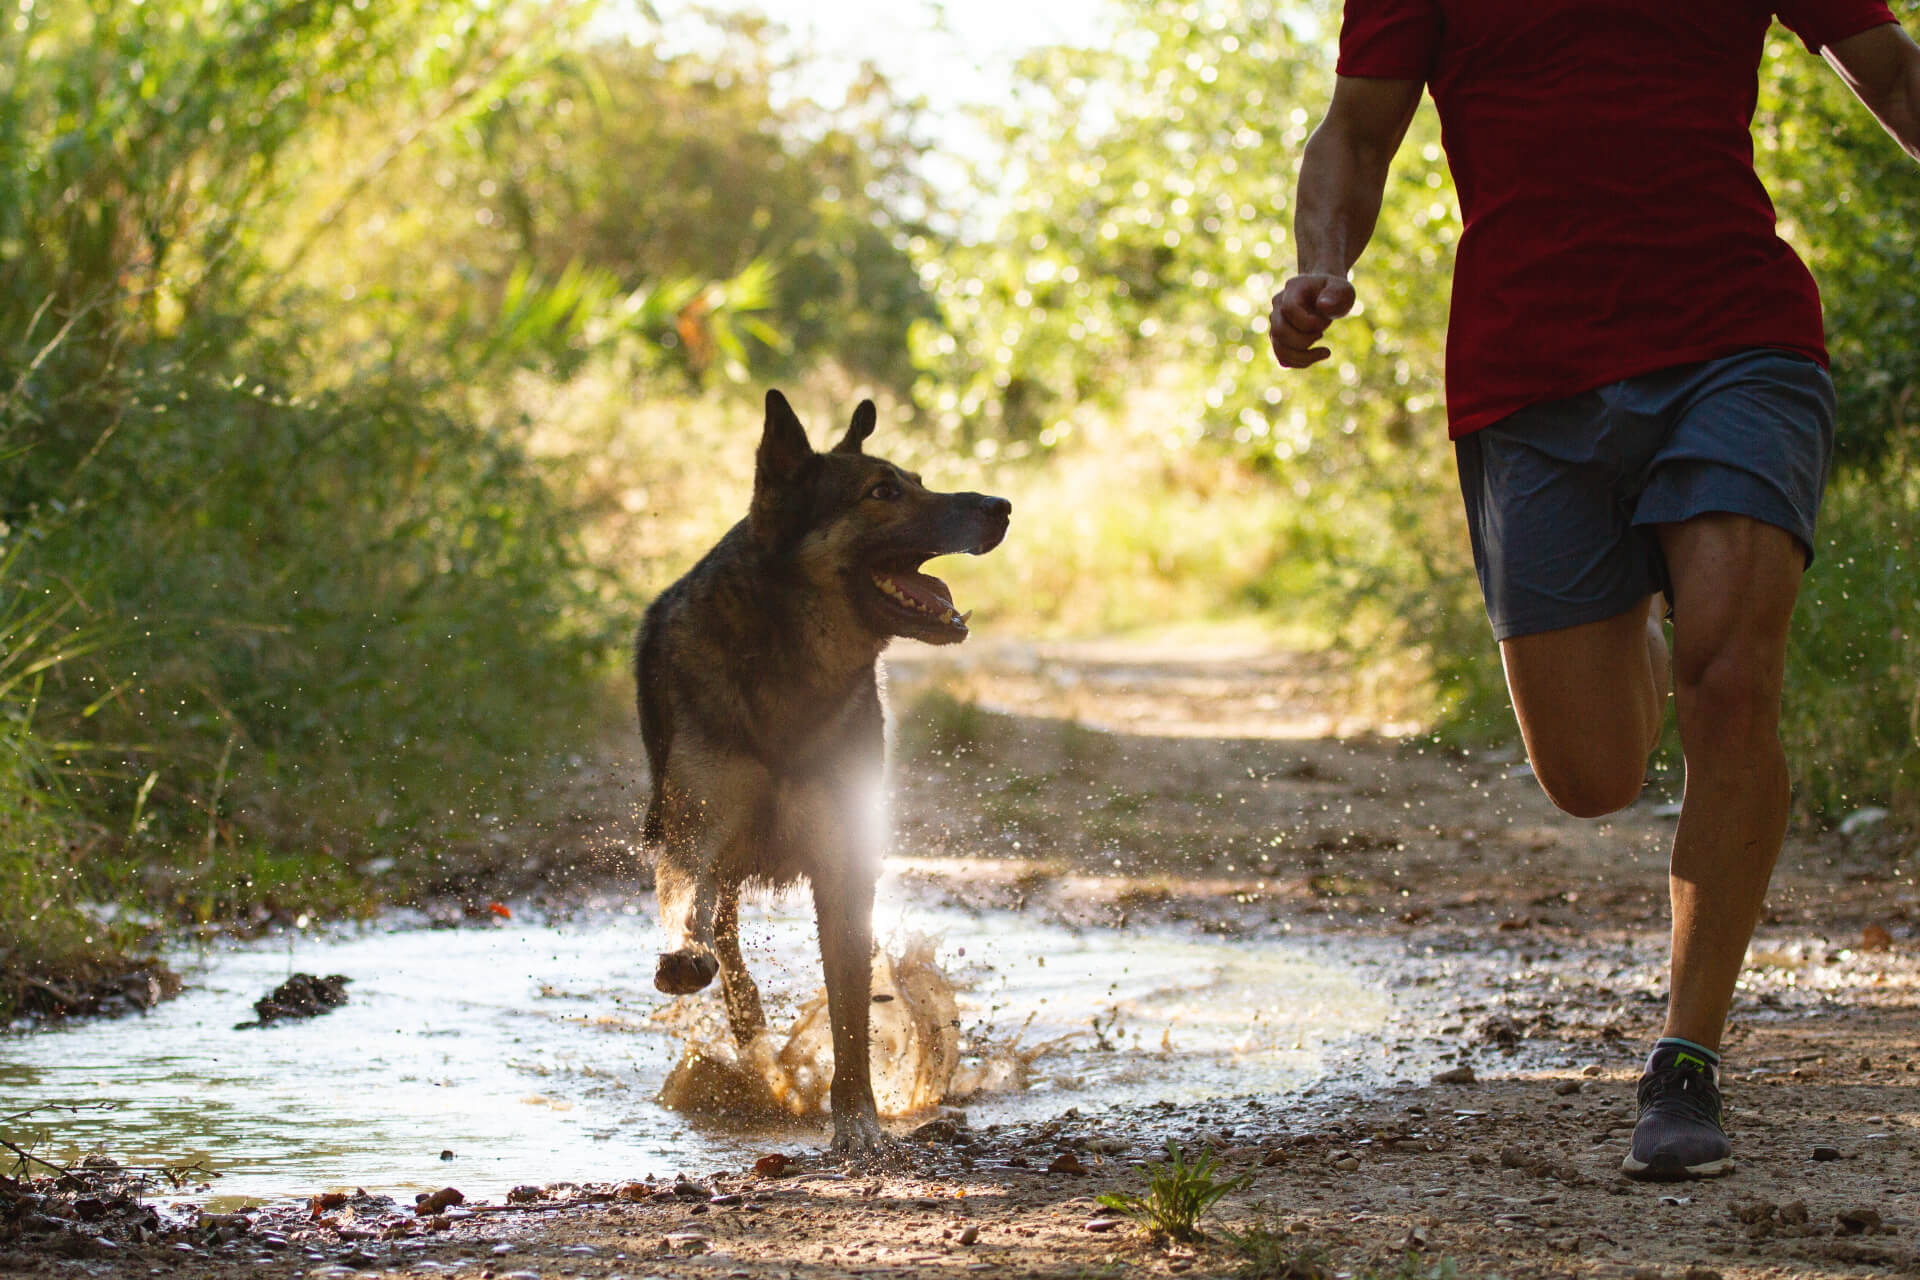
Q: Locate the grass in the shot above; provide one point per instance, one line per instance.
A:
(1179, 1193)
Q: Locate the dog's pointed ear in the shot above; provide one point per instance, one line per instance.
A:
(783, 455)
(859, 430)
(783, 444)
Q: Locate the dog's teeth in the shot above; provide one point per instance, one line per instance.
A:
(962, 618)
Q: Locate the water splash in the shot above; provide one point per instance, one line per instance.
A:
(915, 1048)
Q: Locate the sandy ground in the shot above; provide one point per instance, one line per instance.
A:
(1223, 787)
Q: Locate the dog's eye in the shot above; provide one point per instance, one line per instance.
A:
(886, 491)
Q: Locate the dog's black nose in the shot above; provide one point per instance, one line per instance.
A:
(997, 507)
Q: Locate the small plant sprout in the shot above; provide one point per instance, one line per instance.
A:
(1179, 1194)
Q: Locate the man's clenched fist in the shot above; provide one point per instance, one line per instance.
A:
(1302, 310)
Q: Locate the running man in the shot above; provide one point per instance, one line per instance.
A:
(1640, 407)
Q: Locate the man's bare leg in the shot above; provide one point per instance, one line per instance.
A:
(1590, 700)
(1735, 581)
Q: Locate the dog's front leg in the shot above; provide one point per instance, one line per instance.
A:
(698, 833)
(744, 1013)
(843, 903)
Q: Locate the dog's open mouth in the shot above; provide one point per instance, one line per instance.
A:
(918, 594)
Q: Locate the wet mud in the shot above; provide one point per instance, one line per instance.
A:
(1476, 1130)
(300, 996)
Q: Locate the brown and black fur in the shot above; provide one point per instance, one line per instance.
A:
(760, 709)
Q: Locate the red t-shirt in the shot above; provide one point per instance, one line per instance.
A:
(1602, 154)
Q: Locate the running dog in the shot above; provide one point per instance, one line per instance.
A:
(760, 710)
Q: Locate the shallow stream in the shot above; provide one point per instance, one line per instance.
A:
(534, 1051)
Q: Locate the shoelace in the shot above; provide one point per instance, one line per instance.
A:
(1681, 1090)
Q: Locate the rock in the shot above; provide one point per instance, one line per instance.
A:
(1502, 1031)
(1462, 1074)
(1347, 1164)
(970, 1234)
(1277, 1156)
(687, 1189)
(1700, 1273)
(1822, 1151)
(300, 996)
(1067, 1162)
(1794, 1211)
(1102, 1224)
(773, 1166)
(726, 1200)
(688, 1242)
(1567, 1087)
(525, 1195)
(428, 1205)
(1592, 1069)
(326, 1202)
(633, 1191)
(446, 1155)
(1859, 1221)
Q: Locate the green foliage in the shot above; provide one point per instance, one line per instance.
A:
(1179, 1194)
(1851, 711)
(257, 606)
(659, 173)
(1848, 200)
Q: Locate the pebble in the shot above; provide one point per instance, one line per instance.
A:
(1591, 1070)
(1822, 1151)
(501, 1250)
(1347, 1164)
(1102, 1224)
(1566, 1087)
(1860, 1221)
(428, 1205)
(726, 1199)
(1454, 1075)
(1067, 1162)
(971, 1234)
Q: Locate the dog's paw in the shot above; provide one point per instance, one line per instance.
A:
(859, 1138)
(681, 973)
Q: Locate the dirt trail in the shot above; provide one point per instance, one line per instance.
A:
(1224, 788)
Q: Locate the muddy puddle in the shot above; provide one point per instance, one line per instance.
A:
(535, 1050)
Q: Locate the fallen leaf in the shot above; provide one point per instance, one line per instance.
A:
(500, 909)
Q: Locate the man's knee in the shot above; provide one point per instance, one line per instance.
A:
(1590, 787)
(1732, 696)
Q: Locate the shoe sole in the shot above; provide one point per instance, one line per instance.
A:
(1667, 1169)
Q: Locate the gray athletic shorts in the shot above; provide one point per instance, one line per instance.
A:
(1562, 497)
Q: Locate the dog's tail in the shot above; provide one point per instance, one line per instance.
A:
(656, 724)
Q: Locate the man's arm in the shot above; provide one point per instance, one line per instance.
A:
(1343, 175)
(1882, 67)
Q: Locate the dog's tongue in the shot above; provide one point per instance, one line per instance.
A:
(923, 589)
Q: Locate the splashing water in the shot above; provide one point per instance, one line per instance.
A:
(915, 1039)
